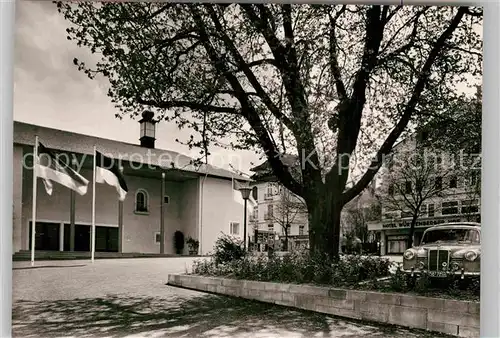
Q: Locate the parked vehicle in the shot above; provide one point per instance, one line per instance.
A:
(452, 249)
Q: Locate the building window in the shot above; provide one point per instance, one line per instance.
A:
(301, 230)
(475, 179)
(453, 182)
(234, 228)
(255, 193)
(166, 199)
(423, 210)
(396, 244)
(430, 210)
(407, 187)
(157, 237)
(270, 189)
(470, 206)
(406, 214)
(141, 201)
(438, 183)
(270, 210)
(270, 227)
(449, 208)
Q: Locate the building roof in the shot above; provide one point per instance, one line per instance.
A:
(287, 159)
(24, 134)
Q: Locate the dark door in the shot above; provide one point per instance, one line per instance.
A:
(46, 236)
(82, 237)
(106, 239)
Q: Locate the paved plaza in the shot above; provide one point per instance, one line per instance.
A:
(129, 298)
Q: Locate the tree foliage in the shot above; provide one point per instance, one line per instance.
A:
(459, 130)
(336, 85)
(357, 218)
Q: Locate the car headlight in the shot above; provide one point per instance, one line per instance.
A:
(409, 255)
(470, 255)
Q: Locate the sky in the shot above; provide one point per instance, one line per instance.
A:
(49, 91)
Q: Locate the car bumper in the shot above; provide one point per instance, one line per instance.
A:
(458, 273)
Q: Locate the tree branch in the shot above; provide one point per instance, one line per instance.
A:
(247, 110)
(334, 65)
(188, 104)
(409, 109)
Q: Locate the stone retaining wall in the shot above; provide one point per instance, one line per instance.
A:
(459, 318)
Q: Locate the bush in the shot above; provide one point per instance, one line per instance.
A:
(294, 267)
(450, 287)
(228, 249)
(193, 245)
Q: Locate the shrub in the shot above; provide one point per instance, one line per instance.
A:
(398, 281)
(294, 267)
(178, 242)
(228, 249)
(193, 245)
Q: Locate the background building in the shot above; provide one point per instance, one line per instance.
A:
(279, 213)
(192, 200)
(448, 193)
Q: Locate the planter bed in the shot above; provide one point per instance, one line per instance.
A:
(453, 317)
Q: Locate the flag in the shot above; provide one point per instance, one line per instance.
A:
(107, 171)
(239, 199)
(51, 169)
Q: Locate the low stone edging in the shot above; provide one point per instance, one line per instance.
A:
(453, 317)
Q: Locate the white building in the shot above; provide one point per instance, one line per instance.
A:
(199, 203)
(277, 207)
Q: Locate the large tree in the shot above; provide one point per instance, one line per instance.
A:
(336, 85)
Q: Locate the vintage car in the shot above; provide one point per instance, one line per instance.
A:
(446, 249)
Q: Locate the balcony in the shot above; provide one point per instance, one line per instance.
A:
(268, 197)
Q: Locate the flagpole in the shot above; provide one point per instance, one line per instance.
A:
(33, 221)
(92, 244)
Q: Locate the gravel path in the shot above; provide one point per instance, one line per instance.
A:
(129, 298)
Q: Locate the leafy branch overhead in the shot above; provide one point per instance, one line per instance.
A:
(335, 85)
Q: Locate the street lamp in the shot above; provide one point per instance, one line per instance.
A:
(245, 193)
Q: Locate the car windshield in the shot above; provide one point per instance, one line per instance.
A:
(451, 235)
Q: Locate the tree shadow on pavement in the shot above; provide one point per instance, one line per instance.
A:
(205, 315)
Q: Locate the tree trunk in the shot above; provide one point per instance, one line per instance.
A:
(324, 224)
(285, 245)
(412, 230)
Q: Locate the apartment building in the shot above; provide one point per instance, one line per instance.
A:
(456, 196)
(279, 213)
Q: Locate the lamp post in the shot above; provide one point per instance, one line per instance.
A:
(245, 193)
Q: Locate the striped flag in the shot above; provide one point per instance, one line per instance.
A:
(51, 169)
(108, 171)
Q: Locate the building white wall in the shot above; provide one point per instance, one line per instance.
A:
(218, 210)
(263, 203)
(189, 209)
(138, 229)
